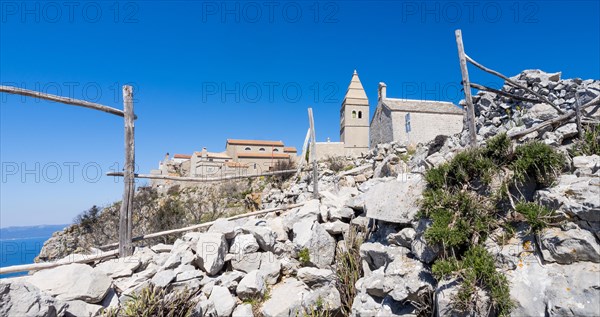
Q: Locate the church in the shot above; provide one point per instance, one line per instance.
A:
(405, 121)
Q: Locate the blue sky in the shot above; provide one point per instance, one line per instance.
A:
(205, 71)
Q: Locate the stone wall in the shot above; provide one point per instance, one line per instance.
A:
(333, 149)
(390, 126)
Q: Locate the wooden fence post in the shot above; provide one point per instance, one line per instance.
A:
(467, 88)
(578, 115)
(303, 155)
(313, 154)
(125, 216)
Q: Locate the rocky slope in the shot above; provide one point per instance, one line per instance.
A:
(300, 261)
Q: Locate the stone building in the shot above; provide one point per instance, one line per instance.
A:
(354, 124)
(241, 157)
(412, 121)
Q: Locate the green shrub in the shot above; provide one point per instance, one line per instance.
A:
(88, 219)
(348, 270)
(457, 217)
(537, 216)
(537, 161)
(476, 269)
(465, 168)
(154, 302)
(304, 256)
(498, 148)
(590, 144)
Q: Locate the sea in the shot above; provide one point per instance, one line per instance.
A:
(20, 245)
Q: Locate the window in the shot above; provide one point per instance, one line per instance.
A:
(262, 149)
(360, 114)
(353, 114)
(247, 149)
(275, 150)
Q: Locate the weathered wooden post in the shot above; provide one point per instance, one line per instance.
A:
(313, 154)
(467, 88)
(303, 155)
(125, 217)
(578, 115)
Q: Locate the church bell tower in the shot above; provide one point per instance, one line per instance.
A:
(354, 116)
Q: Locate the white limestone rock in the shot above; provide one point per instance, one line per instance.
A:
(395, 201)
(247, 262)
(223, 301)
(210, 252)
(20, 298)
(315, 277)
(270, 267)
(251, 286)
(244, 243)
(569, 246)
(243, 310)
(79, 308)
(286, 299)
(163, 278)
(73, 282)
(121, 267)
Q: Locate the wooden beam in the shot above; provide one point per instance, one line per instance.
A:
(204, 225)
(560, 119)
(125, 215)
(467, 89)
(49, 265)
(313, 154)
(199, 179)
(504, 93)
(65, 100)
(515, 84)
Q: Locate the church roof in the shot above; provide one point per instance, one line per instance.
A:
(409, 105)
(254, 142)
(355, 89)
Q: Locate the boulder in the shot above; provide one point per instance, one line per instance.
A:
(575, 196)
(309, 211)
(395, 201)
(315, 277)
(569, 246)
(265, 237)
(445, 300)
(225, 227)
(230, 279)
(79, 308)
(270, 267)
(19, 298)
(326, 298)
(210, 252)
(286, 299)
(73, 282)
(247, 262)
(402, 238)
(223, 301)
(121, 267)
(251, 286)
(336, 227)
(163, 278)
(554, 289)
(320, 244)
(243, 310)
(244, 243)
(419, 247)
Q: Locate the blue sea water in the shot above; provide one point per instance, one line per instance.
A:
(20, 245)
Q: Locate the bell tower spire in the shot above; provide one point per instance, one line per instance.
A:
(354, 115)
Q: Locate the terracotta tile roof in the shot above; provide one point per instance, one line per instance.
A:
(263, 155)
(236, 164)
(254, 142)
(290, 149)
(182, 156)
(213, 155)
